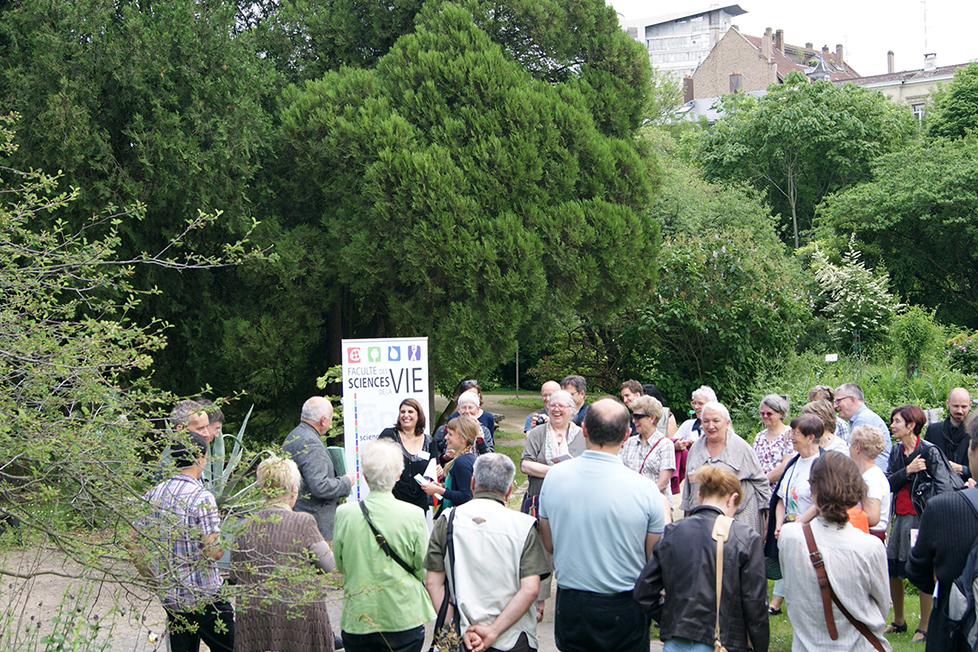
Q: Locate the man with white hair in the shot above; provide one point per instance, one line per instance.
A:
(321, 489)
(498, 561)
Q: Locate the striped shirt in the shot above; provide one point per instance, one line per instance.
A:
(181, 513)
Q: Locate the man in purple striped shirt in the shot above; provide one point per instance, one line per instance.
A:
(181, 534)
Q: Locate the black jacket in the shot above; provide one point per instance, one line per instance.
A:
(953, 441)
(683, 562)
(938, 472)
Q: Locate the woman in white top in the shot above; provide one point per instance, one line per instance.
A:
(794, 490)
(865, 443)
(650, 454)
(854, 562)
(829, 441)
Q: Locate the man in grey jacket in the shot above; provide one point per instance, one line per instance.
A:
(321, 489)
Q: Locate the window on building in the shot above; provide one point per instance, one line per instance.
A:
(918, 111)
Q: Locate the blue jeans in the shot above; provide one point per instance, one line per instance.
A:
(685, 645)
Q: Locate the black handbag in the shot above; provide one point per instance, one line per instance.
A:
(448, 635)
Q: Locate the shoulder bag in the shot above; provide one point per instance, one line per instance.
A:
(448, 636)
(828, 595)
(382, 542)
(721, 530)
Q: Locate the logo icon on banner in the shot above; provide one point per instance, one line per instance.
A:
(353, 355)
(414, 352)
(373, 353)
(394, 353)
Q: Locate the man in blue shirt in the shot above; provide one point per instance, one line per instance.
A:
(600, 521)
(851, 405)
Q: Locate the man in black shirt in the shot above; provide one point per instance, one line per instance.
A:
(949, 435)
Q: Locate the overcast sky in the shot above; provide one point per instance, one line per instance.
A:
(866, 28)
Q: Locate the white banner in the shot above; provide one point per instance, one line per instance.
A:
(377, 375)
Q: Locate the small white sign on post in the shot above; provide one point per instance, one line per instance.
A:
(377, 375)
(831, 357)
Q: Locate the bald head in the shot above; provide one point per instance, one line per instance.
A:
(547, 389)
(318, 413)
(958, 405)
(606, 424)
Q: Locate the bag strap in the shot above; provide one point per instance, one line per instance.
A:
(382, 542)
(829, 595)
(645, 459)
(449, 596)
(823, 580)
(721, 530)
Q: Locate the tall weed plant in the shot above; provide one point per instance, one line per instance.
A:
(884, 381)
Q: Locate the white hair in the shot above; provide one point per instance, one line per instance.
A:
(563, 397)
(468, 397)
(705, 391)
(719, 408)
(382, 463)
(315, 408)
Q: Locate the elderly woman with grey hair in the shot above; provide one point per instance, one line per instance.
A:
(773, 444)
(278, 610)
(720, 446)
(385, 606)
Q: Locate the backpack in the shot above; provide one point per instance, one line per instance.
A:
(962, 624)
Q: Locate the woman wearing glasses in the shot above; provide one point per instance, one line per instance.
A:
(650, 454)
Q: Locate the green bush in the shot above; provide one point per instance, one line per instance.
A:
(962, 353)
(915, 335)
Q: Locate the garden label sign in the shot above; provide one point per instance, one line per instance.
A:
(377, 375)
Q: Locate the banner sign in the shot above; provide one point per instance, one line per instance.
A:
(377, 375)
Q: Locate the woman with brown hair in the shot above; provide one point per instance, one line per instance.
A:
(416, 446)
(916, 467)
(460, 435)
(683, 563)
(854, 563)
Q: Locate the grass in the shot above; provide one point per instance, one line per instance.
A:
(528, 402)
(519, 482)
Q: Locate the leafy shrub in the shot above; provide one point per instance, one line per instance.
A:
(915, 334)
(962, 353)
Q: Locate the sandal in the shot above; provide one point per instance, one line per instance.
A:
(923, 636)
(895, 629)
(771, 611)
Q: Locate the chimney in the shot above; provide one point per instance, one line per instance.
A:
(687, 89)
(766, 44)
(930, 61)
(735, 82)
(808, 46)
(825, 53)
(890, 62)
(779, 40)
(838, 54)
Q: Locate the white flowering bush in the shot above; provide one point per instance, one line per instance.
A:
(860, 305)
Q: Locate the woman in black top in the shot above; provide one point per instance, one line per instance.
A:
(416, 447)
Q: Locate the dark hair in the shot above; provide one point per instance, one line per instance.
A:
(419, 426)
(911, 414)
(836, 485)
(633, 386)
(214, 414)
(577, 382)
(608, 423)
(971, 427)
(715, 481)
(466, 385)
(653, 391)
(183, 456)
(808, 425)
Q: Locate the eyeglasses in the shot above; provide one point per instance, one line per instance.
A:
(638, 417)
(839, 399)
(767, 414)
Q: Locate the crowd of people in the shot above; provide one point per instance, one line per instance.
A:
(627, 517)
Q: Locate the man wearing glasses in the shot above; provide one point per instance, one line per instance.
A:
(851, 406)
